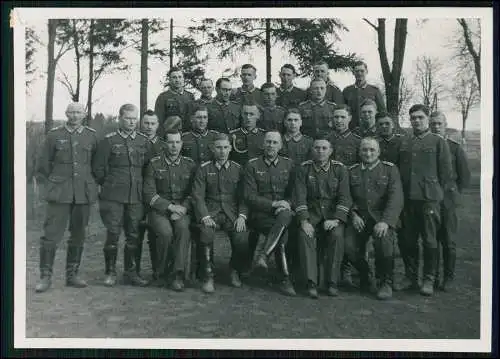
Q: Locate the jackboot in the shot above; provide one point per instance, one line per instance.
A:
(153, 254)
(286, 284)
(366, 283)
(138, 253)
(110, 254)
(260, 261)
(449, 259)
(410, 281)
(178, 283)
(47, 255)
(346, 273)
(73, 260)
(430, 263)
(130, 275)
(386, 270)
(208, 283)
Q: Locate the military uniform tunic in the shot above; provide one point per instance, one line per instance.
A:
(271, 118)
(317, 118)
(173, 103)
(333, 94)
(345, 147)
(246, 144)
(298, 148)
(223, 117)
(354, 97)
(389, 148)
(362, 132)
(290, 98)
(196, 145)
(253, 96)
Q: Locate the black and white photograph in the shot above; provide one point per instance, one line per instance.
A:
(245, 178)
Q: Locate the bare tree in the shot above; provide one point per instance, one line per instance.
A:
(428, 79)
(470, 46)
(466, 95)
(406, 95)
(32, 40)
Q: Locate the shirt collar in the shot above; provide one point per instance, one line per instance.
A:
(362, 86)
(174, 162)
(199, 134)
(125, 135)
(295, 138)
(78, 130)
(245, 131)
(325, 167)
(219, 166)
(373, 165)
(269, 163)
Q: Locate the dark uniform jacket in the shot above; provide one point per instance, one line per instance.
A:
(425, 167)
(119, 164)
(271, 118)
(322, 193)
(157, 147)
(218, 189)
(297, 148)
(460, 166)
(377, 192)
(167, 183)
(246, 144)
(333, 94)
(354, 97)
(361, 132)
(224, 117)
(265, 182)
(172, 103)
(345, 147)
(196, 145)
(204, 101)
(65, 165)
(291, 97)
(389, 148)
(317, 118)
(254, 96)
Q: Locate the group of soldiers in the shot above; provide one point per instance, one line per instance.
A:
(313, 178)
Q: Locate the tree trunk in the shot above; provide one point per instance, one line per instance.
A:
(144, 65)
(51, 74)
(76, 44)
(91, 72)
(268, 50)
(476, 56)
(464, 121)
(171, 44)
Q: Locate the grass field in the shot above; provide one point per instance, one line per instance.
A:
(256, 310)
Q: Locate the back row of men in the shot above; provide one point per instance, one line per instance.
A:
(325, 196)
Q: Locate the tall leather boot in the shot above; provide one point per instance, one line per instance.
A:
(153, 254)
(208, 282)
(110, 254)
(386, 270)
(437, 277)
(286, 285)
(346, 273)
(430, 263)
(47, 255)
(260, 255)
(449, 260)
(131, 275)
(73, 260)
(138, 252)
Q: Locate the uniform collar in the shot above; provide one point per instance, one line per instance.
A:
(290, 89)
(270, 108)
(249, 91)
(422, 135)
(295, 138)
(173, 163)
(388, 138)
(321, 103)
(198, 134)
(245, 131)
(324, 168)
(219, 166)
(78, 130)
(362, 86)
(369, 168)
(125, 135)
(218, 100)
(181, 92)
(343, 134)
(205, 101)
(269, 163)
(154, 139)
(370, 130)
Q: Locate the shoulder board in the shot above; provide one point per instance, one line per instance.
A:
(354, 166)
(213, 131)
(261, 129)
(280, 107)
(235, 163)
(355, 135)
(330, 102)
(306, 136)
(372, 86)
(387, 163)
(235, 102)
(55, 128)
(111, 134)
(205, 163)
(398, 135)
(155, 158)
(253, 159)
(308, 162)
(337, 163)
(453, 140)
(188, 92)
(285, 157)
(142, 134)
(185, 133)
(188, 158)
(89, 128)
(304, 102)
(234, 131)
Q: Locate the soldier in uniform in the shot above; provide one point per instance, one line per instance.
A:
(118, 168)
(322, 200)
(317, 112)
(367, 125)
(223, 114)
(356, 93)
(377, 197)
(218, 206)
(167, 186)
(247, 140)
(296, 146)
(389, 141)
(333, 93)
(206, 88)
(426, 174)
(267, 193)
(175, 101)
(247, 93)
(449, 225)
(289, 95)
(271, 115)
(70, 190)
(195, 143)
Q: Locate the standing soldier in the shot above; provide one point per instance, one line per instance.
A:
(195, 143)
(267, 193)
(271, 117)
(118, 168)
(218, 205)
(247, 93)
(167, 185)
(355, 94)
(333, 93)
(377, 203)
(317, 113)
(389, 141)
(289, 95)
(367, 125)
(461, 176)
(296, 146)
(247, 140)
(322, 201)
(426, 174)
(175, 101)
(223, 114)
(70, 190)
(206, 88)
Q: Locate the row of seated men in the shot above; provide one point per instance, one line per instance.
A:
(322, 203)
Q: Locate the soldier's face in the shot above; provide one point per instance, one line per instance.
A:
(248, 76)
(293, 122)
(250, 115)
(269, 95)
(385, 126)
(206, 88)
(224, 90)
(322, 150)
(272, 144)
(286, 76)
(200, 120)
(176, 79)
(419, 121)
(75, 115)
(221, 149)
(318, 90)
(360, 73)
(367, 116)
(369, 151)
(438, 125)
(341, 119)
(174, 144)
(128, 121)
(149, 125)
(321, 72)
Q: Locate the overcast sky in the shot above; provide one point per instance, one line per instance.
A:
(431, 38)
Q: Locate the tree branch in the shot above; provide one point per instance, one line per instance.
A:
(371, 24)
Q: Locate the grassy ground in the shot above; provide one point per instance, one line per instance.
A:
(255, 310)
